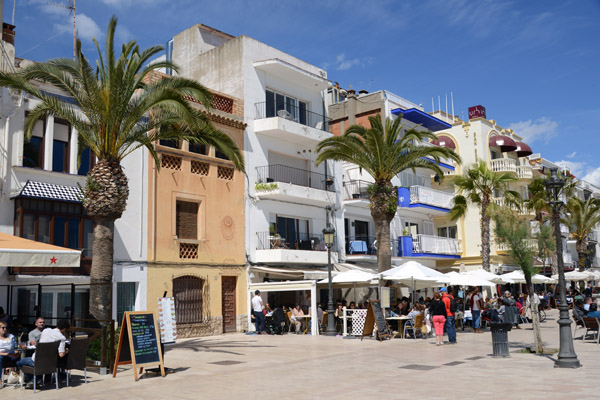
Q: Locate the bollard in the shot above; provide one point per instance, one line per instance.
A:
(500, 339)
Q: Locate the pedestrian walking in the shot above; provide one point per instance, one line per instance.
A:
(451, 307)
(437, 310)
(476, 307)
(257, 310)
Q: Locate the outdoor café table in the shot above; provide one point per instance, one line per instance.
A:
(307, 322)
(401, 321)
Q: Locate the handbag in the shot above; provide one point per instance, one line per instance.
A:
(13, 378)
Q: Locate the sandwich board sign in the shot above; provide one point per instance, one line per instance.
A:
(138, 343)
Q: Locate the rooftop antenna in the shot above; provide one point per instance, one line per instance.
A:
(71, 7)
(432, 106)
(452, 101)
(446, 105)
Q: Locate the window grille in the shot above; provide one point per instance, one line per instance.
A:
(187, 291)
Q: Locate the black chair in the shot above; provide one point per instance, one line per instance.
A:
(77, 356)
(46, 357)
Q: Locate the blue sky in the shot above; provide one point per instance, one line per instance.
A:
(533, 64)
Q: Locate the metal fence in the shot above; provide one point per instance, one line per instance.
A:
(297, 114)
(356, 189)
(300, 241)
(367, 245)
(295, 176)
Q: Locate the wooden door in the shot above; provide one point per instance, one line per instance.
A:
(228, 285)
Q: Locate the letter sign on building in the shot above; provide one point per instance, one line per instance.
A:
(477, 112)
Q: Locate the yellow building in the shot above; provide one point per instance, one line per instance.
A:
(482, 139)
(196, 230)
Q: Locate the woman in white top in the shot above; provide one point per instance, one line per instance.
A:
(8, 347)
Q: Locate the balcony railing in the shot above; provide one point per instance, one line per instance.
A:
(567, 259)
(295, 176)
(356, 189)
(504, 165)
(367, 245)
(531, 243)
(297, 114)
(435, 245)
(593, 236)
(523, 210)
(302, 241)
(524, 172)
(432, 197)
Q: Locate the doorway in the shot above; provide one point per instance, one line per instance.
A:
(228, 286)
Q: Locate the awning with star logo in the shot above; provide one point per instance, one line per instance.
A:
(19, 252)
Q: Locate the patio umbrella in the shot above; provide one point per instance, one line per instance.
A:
(19, 252)
(575, 276)
(488, 276)
(415, 275)
(518, 277)
(350, 278)
(456, 279)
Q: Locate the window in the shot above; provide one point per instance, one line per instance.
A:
(186, 224)
(87, 162)
(494, 155)
(447, 231)
(187, 291)
(409, 178)
(292, 230)
(220, 155)
(276, 102)
(126, 293)
(60, 147)
(412, 228)
(33, 150)
(197, 148)
(169, 143)
(54, 222)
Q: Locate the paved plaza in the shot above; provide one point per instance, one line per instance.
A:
(239, 366)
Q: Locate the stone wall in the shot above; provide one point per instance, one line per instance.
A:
(212, 326)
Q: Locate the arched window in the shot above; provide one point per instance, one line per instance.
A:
(187, 291)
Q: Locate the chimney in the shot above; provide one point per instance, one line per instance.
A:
(8, 33)
(352, 100)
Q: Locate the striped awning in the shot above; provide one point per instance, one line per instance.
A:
(50, 191)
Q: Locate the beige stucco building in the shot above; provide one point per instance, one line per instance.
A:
(196, 230)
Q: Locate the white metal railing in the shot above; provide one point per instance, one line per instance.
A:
(432, 197)
(501, 201)
(567, 258)
(435, 245)
(524, 172)
(531, 243)
(593, 236)
(504, 165)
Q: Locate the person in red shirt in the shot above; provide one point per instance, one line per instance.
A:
(450, 316)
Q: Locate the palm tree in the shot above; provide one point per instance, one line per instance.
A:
(383, 151)
(477, 186)
(538, 202)
(581, 218)
(515, 233)
(120, 107)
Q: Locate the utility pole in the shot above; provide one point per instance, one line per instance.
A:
(71, 7)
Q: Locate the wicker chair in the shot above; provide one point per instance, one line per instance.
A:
(46, 357)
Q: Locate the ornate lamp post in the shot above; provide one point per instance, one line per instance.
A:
(566, 355)
(328, 237)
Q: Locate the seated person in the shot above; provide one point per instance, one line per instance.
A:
(404, 307)
(49, 335)
(297, 322)
(268, 310)
(8, 347)
(586, 305)
(578, 312)
(34, 335)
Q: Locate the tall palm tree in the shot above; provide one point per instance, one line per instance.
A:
(581, 218)
(477, 186)
(119, 108)
(383, 151)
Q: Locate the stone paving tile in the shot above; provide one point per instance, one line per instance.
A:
(306, 367)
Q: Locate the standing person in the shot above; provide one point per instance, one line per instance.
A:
(34, 335)
(476, 307)
(448, 299)
(438, 312)
(257, 310)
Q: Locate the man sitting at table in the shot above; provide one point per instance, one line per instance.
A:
(34, 335)
(48, 335)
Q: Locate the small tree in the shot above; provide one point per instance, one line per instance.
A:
(546, 245)
(515, 233)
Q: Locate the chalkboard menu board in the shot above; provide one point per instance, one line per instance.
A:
(138, 342)
(376, 318)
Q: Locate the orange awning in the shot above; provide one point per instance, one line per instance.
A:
(19, 252)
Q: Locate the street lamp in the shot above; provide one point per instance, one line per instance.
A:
(566, 354)
(328, 236)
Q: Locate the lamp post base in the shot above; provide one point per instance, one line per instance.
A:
(330, 323)
(566, 355)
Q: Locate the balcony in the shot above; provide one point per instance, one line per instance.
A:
(355, 192)
(502, 165)
(427, 246)
(503, 247)
(435, 245)
(564, 230)
(306, 248)
(284, 183)
(524, 172)
(593, 237)
(425, 200)
(292, 123)
(523, 210)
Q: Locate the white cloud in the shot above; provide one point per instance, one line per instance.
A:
(593, 176)
(86, 27)
(343, 64)
(530, 130)
(572, 154)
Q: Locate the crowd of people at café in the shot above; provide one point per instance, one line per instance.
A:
(19, 351)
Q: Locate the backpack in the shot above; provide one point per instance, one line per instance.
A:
(453, 305)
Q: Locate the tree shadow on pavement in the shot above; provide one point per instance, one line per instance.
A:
(217, 346)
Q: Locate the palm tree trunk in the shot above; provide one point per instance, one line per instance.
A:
(485, 233)
(102, 268)
(382, 234)
(581, 254)
(554, 263)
